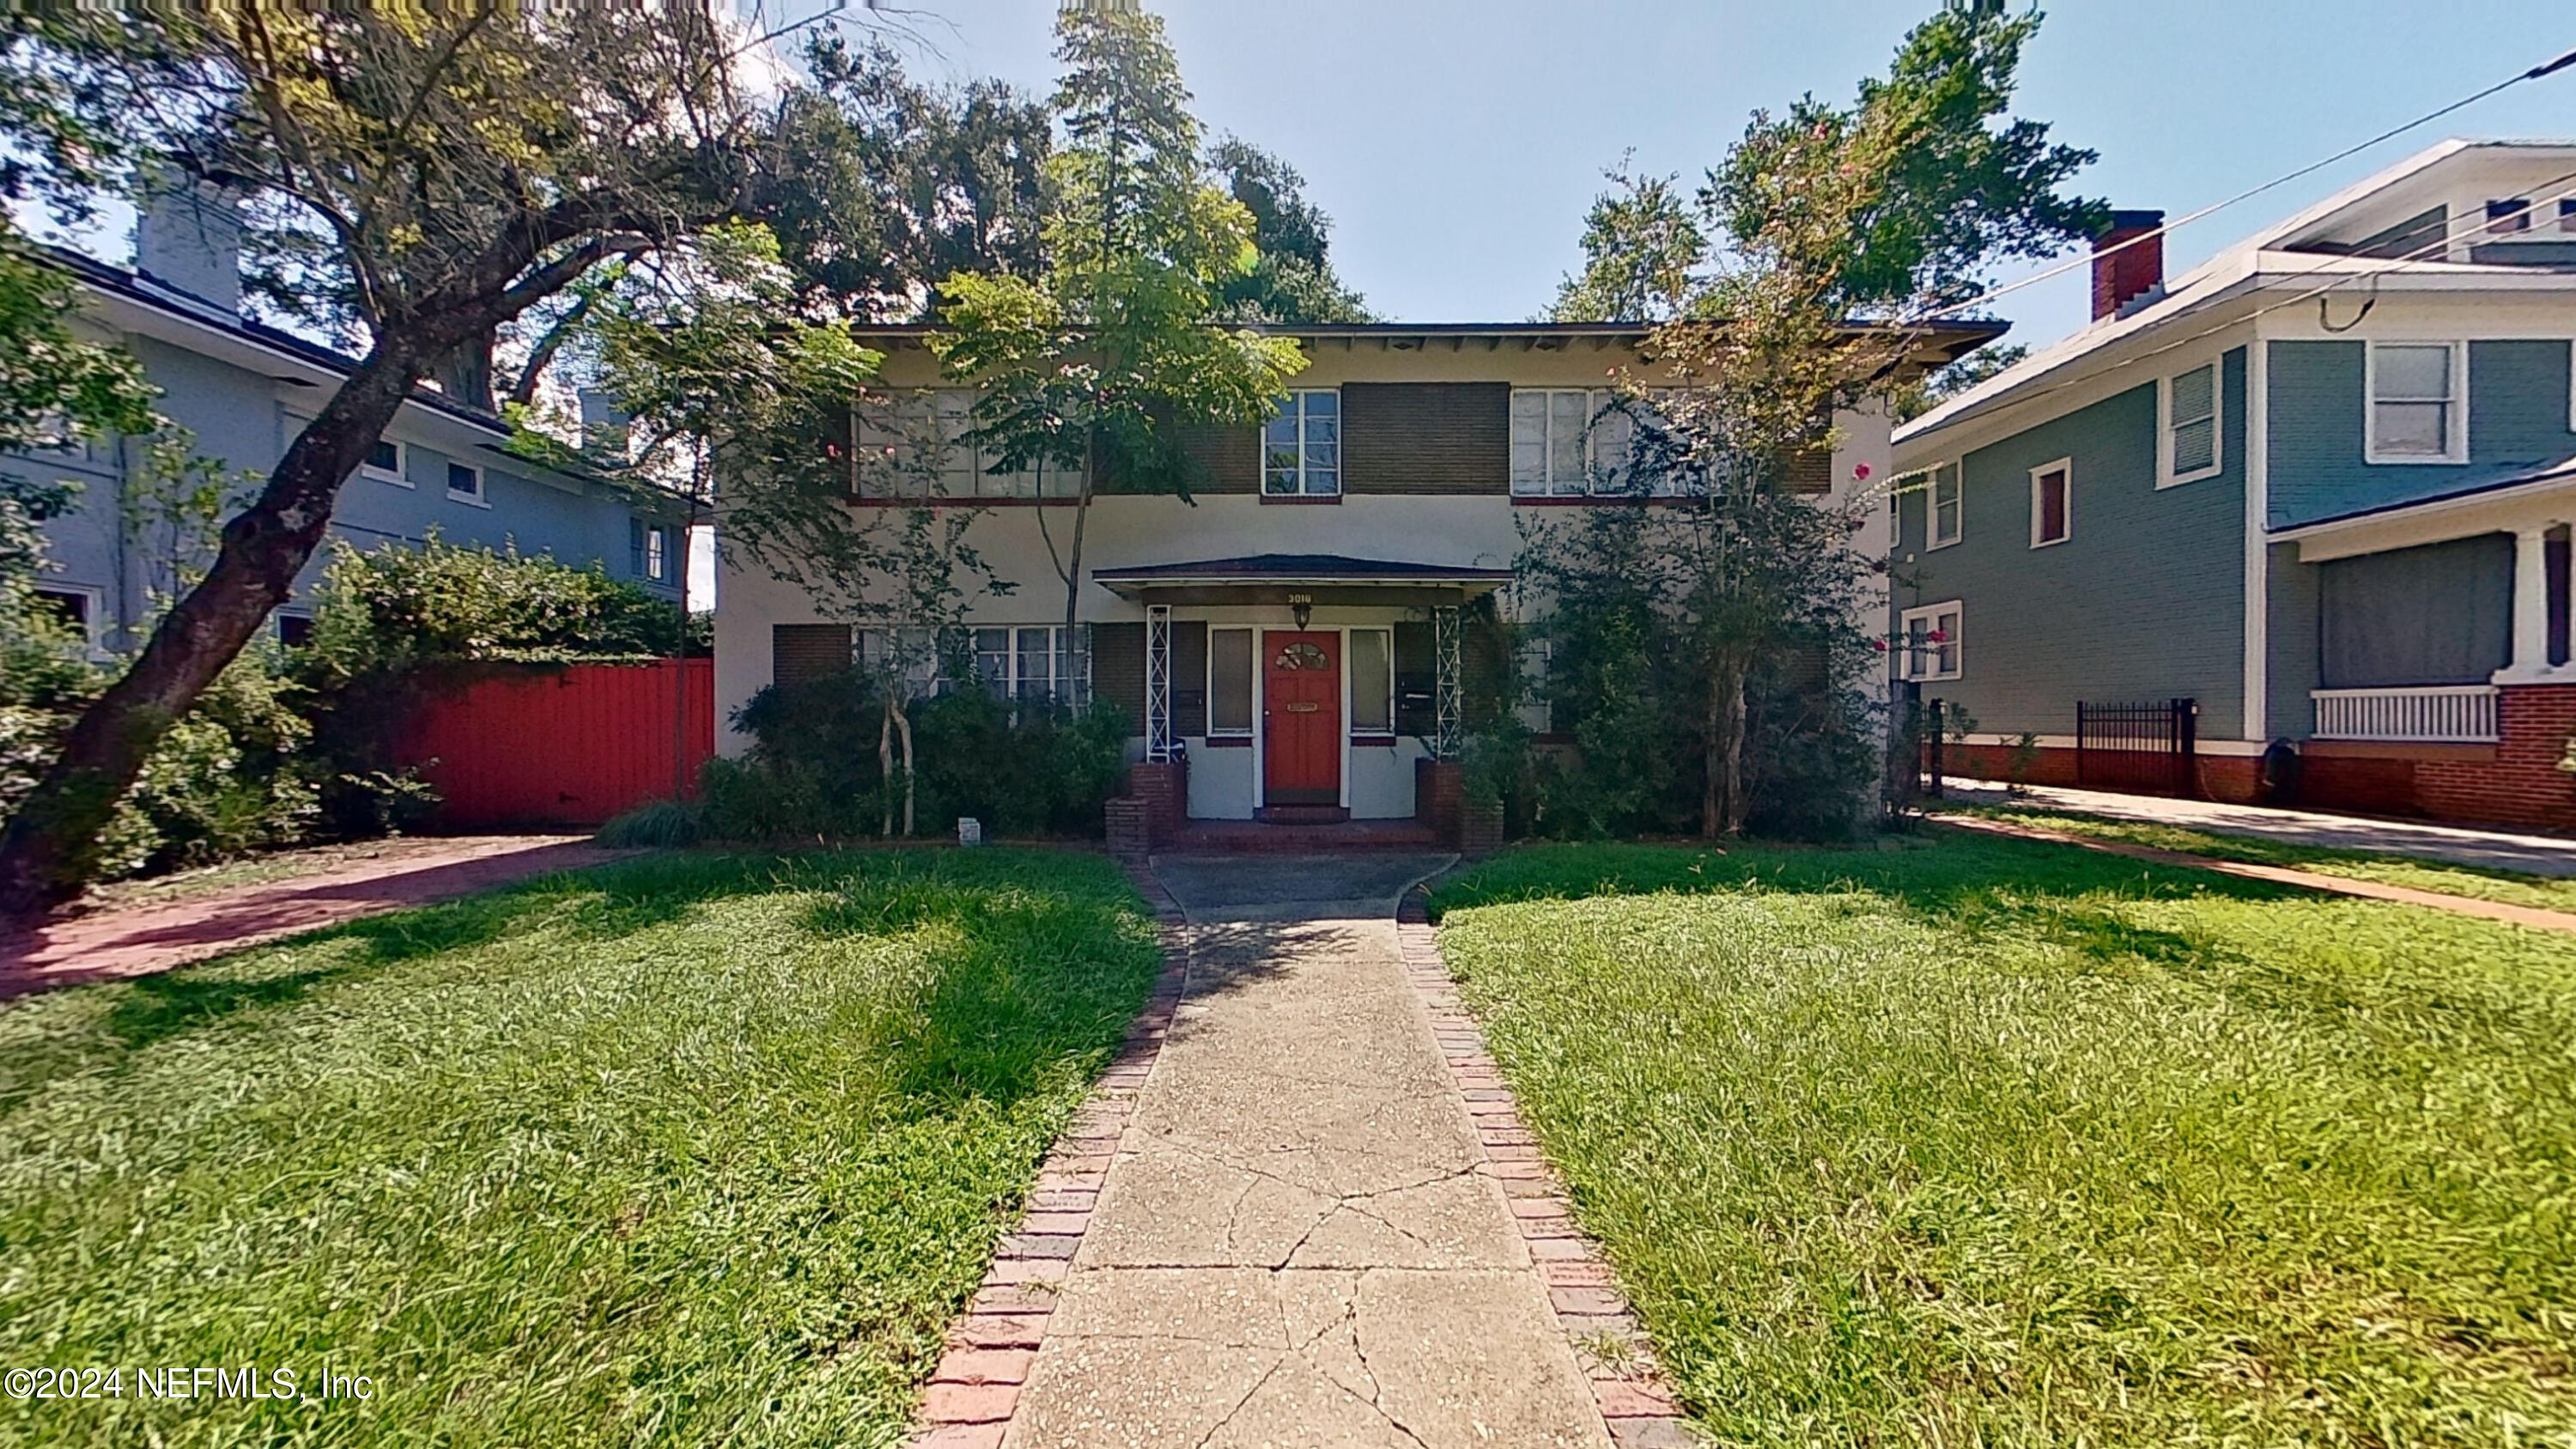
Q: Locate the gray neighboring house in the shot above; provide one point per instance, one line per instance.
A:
(245, 390)
(2322, 486)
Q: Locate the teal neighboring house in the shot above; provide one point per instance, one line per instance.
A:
(2321, 487)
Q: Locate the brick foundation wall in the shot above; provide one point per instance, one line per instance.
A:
(2524, 786)
(1165, 790)
(1439, 790)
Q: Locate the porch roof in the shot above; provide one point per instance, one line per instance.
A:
(1271, 571)
(2471, 500)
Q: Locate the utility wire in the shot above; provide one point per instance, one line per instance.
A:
(2537, 72)
(2429, 251)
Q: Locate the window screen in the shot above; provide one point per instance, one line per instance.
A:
(1372, 682)
(1229, 681)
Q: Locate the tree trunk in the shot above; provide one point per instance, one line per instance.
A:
(1722, 804)
(50, 847)
(903, 728)
(885, 769)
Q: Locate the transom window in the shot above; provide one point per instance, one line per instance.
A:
(2191, 437)
(1301, 448)
(916, 445)
(2052, 503)
(1039, 662)
(1931, 648)
(1949, 507)
(2418, 402)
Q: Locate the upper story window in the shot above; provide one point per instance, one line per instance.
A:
(2567, 218)
(385, 463)
(465, 483)
(2052, 503)
(650, 550)
(2192, 447)
(2509, 217)
(916, 445)
(1301, 447)
(1948, 509)
(2419, 402)
(1591, 442)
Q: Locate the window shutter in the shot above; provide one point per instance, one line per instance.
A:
(803, 653)
(635, 547)
(1417, 681)
(1810, 473)
(1189, 678)
(1118, 670)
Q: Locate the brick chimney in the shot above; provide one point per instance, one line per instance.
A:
(2122, 273)
(188, 238)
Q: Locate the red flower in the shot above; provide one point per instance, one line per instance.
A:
(1861, 473)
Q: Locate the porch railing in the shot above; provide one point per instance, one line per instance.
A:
(2463, 714)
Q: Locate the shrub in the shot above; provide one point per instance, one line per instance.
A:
(1023, 768)
(661, 825)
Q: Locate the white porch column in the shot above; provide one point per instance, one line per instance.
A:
(1158, 683)
(2530, 602)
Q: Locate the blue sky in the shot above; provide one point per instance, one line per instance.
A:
(1458, 142)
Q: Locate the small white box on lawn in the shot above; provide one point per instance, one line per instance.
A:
(970, 831)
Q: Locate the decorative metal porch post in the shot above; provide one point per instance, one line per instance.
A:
(1448, 707)
(1158, 683)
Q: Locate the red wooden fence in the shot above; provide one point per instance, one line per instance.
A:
(578, 746)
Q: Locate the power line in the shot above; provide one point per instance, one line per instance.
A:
(2537, 72)
(2466, 226)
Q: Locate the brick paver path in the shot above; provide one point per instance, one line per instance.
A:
(142, 940)
(1300, 1238)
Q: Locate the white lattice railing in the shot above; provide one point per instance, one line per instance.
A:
(2447, 714)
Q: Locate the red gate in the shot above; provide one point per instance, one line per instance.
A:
(539, 745)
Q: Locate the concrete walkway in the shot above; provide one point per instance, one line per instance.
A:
(2459, 844)
(120, 942)
(1301, 1242)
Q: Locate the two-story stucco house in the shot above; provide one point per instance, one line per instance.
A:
(244, 390)
(2320, 486)
(1292, 629)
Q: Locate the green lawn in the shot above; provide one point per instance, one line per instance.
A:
(2512, 888)
(691, 1150)
(1985, 1142)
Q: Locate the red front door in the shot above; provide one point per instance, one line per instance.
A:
(1301, 719)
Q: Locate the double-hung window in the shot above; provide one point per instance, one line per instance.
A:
(1043, 663)
(2052, 503)
(1586, 442)
(1931, 648)
(2193, 448)
(1301, 447)
(2419, 402)
(1948, 507)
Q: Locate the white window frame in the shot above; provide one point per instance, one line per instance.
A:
(1958, 476)
(1252, 683)
(2168, 426)
(1306, 488)
(2062, 465)
(480, 496)
(1607, 454)
(1350, 685)
(1910, 667)
(2455, 449)
(1077, 660)
(93, 612)
(657, 553)
(400, 474)
(905, 423)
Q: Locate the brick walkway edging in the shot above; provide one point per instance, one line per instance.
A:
(976, 1388)
(1627, 1382)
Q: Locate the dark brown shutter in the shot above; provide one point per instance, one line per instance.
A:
(1189, 680)
(1417, 681)
(803, 653)
(1118, 670)
(1427, 437)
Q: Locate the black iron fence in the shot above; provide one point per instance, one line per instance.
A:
(2149, 747)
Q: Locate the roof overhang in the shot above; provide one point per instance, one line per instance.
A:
(1302, 578)
(2492, 508)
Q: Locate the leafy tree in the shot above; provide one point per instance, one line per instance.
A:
(1847, 230)
(1939, 386)
(1293, 281)
(1644, 251)
(1091, 367)
(425, 175)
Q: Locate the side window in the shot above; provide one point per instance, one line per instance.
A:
(2052, 503)
(2192, 446)
(464, 481)
(1931, 647)
(1229, 682)
(2418, 402)
(1948, 506)
(1372, 664)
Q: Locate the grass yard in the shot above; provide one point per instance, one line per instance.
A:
(2512, 888)
(1987, 1142)
(691, 1150)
